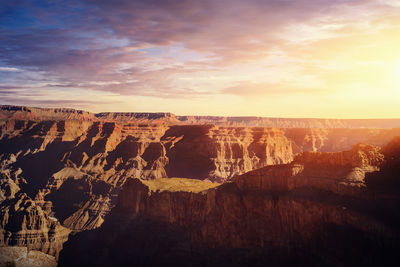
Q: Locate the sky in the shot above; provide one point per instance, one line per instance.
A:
(270, 58)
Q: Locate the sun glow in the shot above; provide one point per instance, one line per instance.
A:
(398, 70)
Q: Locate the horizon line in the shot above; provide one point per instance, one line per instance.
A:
(178, 115)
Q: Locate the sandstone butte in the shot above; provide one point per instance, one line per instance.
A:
(62, 170)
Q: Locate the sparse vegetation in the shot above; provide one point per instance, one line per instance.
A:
(179, 184)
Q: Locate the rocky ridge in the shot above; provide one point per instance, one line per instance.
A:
(24, 223)
(33, 113)
(293, 210)
(71, 166)
(72, 170)
(22, 257)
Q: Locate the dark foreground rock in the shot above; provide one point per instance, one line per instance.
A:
(257, 220)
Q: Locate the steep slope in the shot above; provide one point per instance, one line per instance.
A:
(70, 165)
(74, 169)
(22, 257)
(88, 161)
(342, 173)
(33, 113)
(338, 139)
(23, 223)
(277, 215)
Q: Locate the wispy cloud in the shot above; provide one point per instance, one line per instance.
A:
(250, 89)
(185, 49)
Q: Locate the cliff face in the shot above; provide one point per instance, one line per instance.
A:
(70, 165)
(32, 113)
(73, 169)
(109, 150)
(335, 140)
(221, 152)
(262, 204)
(92, 159)
(293, 210)
(342, 173)
(24, 223)
(22, 257)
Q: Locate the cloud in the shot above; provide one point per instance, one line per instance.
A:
(8, 69)
(250, 89)
(46, 102)
(150, 48)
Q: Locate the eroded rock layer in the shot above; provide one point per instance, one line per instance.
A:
(73, 170)
(22, 257)
(24, 224)
(68, 166)
(277, 215)
(32, 113)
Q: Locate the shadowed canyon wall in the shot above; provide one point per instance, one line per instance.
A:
(62, 169)
(288, 215)
(32, 113)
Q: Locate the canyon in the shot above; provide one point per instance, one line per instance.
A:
(214, 184)
(321, 209)
(32, 113)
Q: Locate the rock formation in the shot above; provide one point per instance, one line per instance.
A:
(70, 165)
(342, 173)
(22, 257)
(32, 113)
(293, 209)
(24, 223)
(72, 170)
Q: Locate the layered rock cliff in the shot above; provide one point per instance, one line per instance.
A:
(292, 214)
(342, 173)
(33, 113)
(70, 165)
(24, 223)
(74, 169)
(22, 257)
(339, 139)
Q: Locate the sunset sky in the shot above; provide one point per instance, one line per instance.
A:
(272, 58)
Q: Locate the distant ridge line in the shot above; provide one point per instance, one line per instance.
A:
(37, 113)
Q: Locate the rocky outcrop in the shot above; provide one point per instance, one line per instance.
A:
(336, 140)
(338, 172)
(22, 257)
(384, 184)
(71, 164)
(50, 158)
(32, 113)
(291, 122)
(74, 169)
(108, 151)
(23, 223)
(222, 152)
(287, 214)
(265, 200)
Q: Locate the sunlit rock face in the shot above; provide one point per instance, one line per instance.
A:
(337, 139)
(70, 165)
(32, 113)
(339, 173)
(342, 173)
(220, 152)
(24, 223)
(312, 208)
(72, 170)
(22, 257)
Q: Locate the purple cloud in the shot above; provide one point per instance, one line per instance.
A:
(117, 46)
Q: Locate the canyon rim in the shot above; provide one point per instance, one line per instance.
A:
(200, 133)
